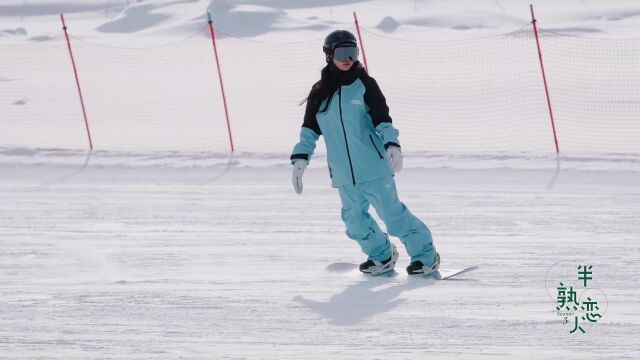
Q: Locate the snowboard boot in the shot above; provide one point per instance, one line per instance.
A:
(373, 267)
(418, 268)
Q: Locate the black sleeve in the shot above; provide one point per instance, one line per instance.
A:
(378, 109)
(299, 156)
(310, 120)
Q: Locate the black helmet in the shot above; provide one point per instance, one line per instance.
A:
(338, 38)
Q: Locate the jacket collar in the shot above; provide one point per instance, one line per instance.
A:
(344, 78)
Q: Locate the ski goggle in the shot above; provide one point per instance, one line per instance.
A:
(344, 53)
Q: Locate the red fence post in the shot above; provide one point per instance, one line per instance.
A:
(544, 79)
(224, 97)
(75, 72)
(364, 55)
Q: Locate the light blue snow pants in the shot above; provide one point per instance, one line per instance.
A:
(400, 222)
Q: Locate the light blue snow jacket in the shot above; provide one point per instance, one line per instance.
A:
(355, 140)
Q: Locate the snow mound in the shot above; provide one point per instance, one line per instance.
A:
(388, 24)
(134, 18)
(15, 32)
(245, 20)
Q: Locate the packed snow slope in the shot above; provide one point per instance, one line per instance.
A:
(213, 263)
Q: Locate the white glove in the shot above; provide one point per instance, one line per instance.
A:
(298, 169)
(395, 158)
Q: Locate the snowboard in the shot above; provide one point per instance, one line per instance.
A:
(446, 274)
(442, 274)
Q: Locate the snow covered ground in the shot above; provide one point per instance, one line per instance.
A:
(165, 263)
(134, 254)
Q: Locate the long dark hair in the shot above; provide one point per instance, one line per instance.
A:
(331, 78)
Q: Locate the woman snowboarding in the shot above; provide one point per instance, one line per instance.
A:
(347, 107)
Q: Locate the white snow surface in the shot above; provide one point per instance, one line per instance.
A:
(226, 262)
(186, 255)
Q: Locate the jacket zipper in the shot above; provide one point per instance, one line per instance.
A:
(374, 146)
(353, 176)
